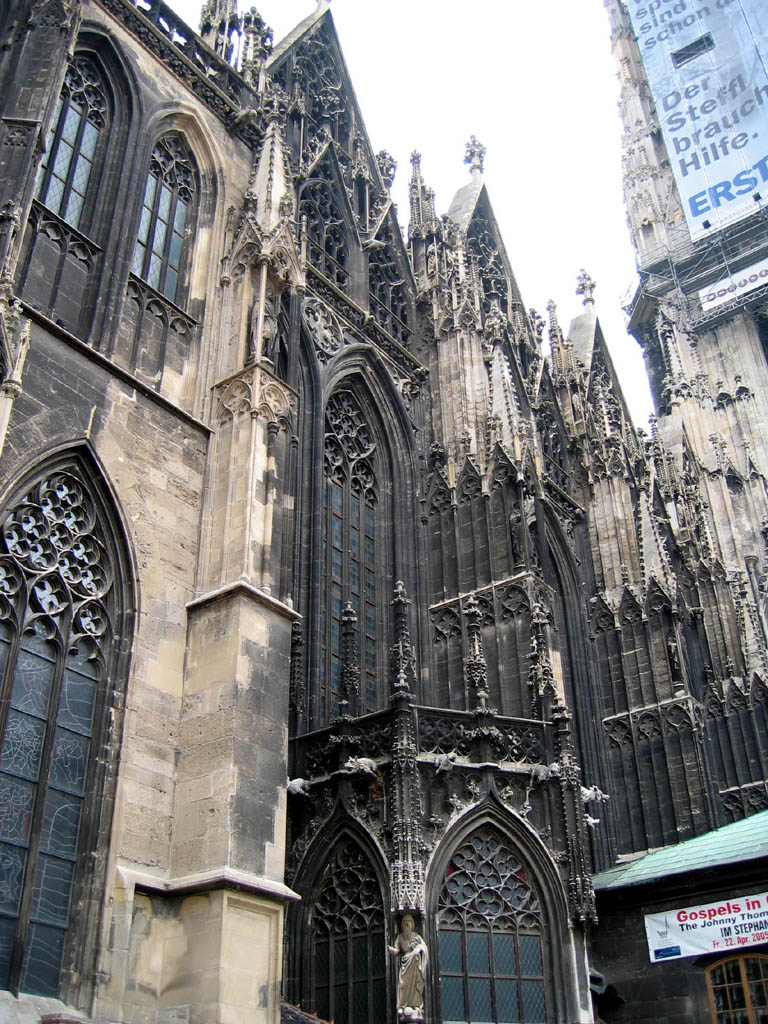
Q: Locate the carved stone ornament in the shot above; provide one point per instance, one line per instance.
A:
(323, 327)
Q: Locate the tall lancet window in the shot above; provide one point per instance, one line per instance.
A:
(78, 127)
(349, 947)
(59, 630)
(167, 212)
(490, 931)
(349, 548)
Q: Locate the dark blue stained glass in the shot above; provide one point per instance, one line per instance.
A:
(370, 551)
(354, 575)
(12, 860)
(336, 498)
(340, 966)
(452, 992)
(17, 800)
(477, 953)
(61, 822)
(360, 957)
(534, 1004)
(50, 893)
(530, 954)
(354, 511)
(360, 1001)
(322, 1006)
(336, 563)
(479, 999)
(507, 1010)
(69, 761)
(336, 532)
(42, 963)
(379, 1015)
(354, 543)
(450, 950)
(321, 962)
(76, 702)
(336, 600)
(34, 673)
(7, 930)
(504, 954)
(22, 745)
(340, 1002)
(370, 584)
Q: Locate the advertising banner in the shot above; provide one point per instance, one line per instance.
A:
(712, 928)
(734, 286)
(707, 66)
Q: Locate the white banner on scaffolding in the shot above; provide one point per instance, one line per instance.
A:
(732, 287)
(712, 928)
(706, 64)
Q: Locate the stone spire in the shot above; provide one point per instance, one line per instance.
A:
(218, 21)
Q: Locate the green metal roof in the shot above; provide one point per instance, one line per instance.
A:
(731, 844)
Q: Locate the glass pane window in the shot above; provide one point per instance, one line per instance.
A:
(738, 989)
(490, 937)
(56, 580)
(78, 123)
(169, 195)
(349, 944)
(349, 547)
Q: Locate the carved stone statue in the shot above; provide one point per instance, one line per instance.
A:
(412, 951)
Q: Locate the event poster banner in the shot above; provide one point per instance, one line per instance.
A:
(712, 928)
(707, 66)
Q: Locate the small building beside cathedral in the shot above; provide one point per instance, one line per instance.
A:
(359, 659)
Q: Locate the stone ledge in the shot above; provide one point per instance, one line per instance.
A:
(205, 881)
(250, 591)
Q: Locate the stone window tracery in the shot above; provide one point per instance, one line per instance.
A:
(349, 945)
(490, 936)
(78, 126)
(387, 291)
(325, 233)
(165, 221)
(57, 615)
(349, 548)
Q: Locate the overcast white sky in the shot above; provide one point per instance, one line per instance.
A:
(534, 80)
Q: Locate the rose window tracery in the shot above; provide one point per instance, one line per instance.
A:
(490, 932)
(349, 941)
(56, 638)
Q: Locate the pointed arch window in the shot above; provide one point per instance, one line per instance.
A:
(348, 940)
(325, 234)
(57, 644)
(490, 936)
(167, 213)
(79, 125)
(349, 548)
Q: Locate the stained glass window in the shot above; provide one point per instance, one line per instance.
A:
(349, 547)
(78, 124)
(349, 947)
(738, 989)
(490, 936)
(166, 213)
(56, 595)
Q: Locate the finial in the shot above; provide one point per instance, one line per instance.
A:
(554, 326)
(322, 5)
(416, 160)
(586, 286)
(475, 157)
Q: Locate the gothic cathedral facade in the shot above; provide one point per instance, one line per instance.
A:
(327, 598)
